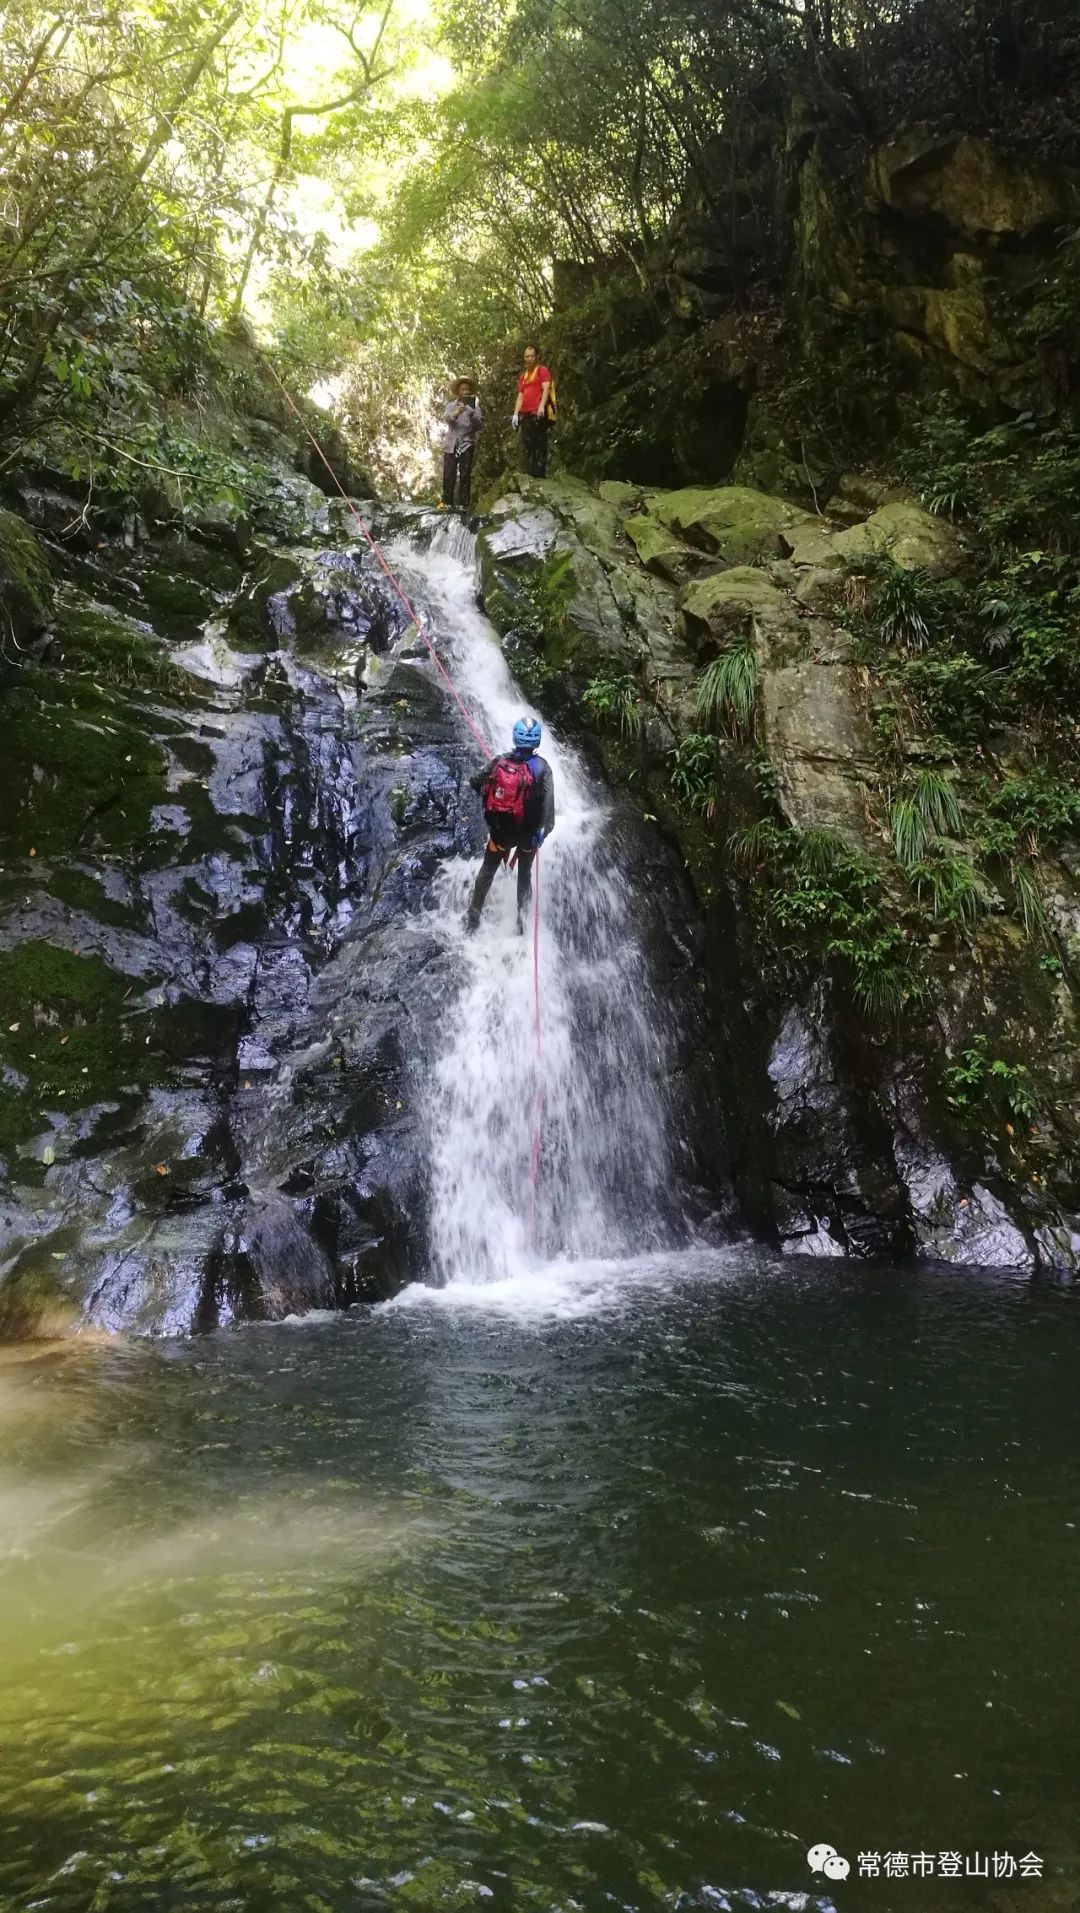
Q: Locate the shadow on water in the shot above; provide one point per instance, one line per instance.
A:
(623, 1594)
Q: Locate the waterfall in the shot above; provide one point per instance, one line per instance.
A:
(606, 1166)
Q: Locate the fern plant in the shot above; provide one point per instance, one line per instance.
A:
(908, 832)
(928, 809)
(822, 850)
(693, 772)
(881, 981)
(756, 846)
(727, 689)
(614, 701)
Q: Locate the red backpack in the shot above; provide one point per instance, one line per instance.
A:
(507, 788)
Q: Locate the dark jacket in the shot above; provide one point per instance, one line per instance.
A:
(540, 800)
(464, 423)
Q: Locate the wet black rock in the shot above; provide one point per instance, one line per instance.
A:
(211, 1001)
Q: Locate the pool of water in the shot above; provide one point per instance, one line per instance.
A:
(619, 1587)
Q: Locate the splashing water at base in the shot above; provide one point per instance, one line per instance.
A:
(605, 1161)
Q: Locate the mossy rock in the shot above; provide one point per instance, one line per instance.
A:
(732, 522)
(659, 551)
(78, 768)
(173, 599)
(250, 626)
(973, 187)
(819, 743)
(624, 497)
(956, 320)
(68, 1036)
(725, 606)
(223, 524)
(82, 887)
(119, 652)
(813, 543)
(911, 537)
(26, 586)
(178, 594)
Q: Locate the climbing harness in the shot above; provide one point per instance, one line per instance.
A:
(399, 590)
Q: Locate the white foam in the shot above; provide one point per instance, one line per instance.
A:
(562, 1289)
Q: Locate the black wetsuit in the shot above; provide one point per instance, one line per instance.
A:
(505, 835)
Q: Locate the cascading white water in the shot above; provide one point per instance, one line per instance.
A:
(605, 1165)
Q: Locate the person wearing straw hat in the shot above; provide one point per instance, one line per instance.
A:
(464, 422)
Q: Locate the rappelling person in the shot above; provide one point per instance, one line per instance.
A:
(464, 422)
(518, 793)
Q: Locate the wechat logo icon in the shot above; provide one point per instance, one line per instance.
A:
(823, 1858)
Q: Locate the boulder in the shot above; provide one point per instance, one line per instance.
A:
(732, 522)
(818, 740)
(624, 497)
(732, 603)
(222, 523)
(659, 551)
(913, 538)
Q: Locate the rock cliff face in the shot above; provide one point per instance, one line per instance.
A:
(211, 830)
(932, 263)
(893, 969)
(843, 1087)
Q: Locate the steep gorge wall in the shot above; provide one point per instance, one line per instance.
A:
(740, 487)
(842, 1011)
(933, 265)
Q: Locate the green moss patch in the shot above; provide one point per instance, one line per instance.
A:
(69, 1032)
(25, 581)
(80, 889)
(249, 627)
(77, 770)
(92, 638)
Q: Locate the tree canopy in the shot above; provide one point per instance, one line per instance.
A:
(385, 188)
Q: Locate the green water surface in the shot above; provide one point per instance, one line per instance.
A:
(619, 1607)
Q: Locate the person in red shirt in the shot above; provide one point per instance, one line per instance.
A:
(531, 412)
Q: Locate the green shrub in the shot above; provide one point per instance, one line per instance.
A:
(1033, 810)
(1030, 905)
(957, 692)
(614, 701)
(904, 605)
(956, 891)
(980, 1086)
(819, 894)
(693, 772)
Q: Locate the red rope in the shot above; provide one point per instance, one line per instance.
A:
(538, 1110)
(395, 582)
(396, 585)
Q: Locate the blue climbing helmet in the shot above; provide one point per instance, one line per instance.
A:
(527, 734)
